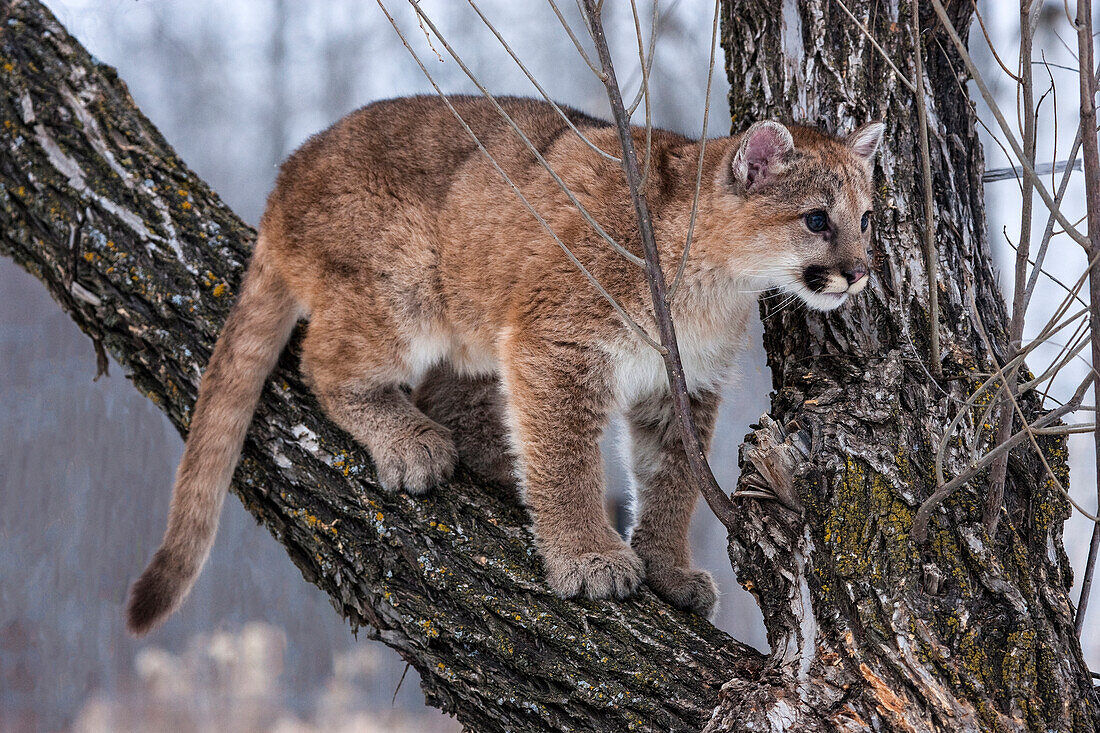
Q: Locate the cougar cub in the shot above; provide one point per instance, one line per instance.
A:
(406, 251)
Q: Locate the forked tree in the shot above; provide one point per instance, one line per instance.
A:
(968, 627)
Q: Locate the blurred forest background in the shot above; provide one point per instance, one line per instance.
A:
(86, 468)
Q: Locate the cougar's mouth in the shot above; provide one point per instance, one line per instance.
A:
(824, 280)
(824, 288)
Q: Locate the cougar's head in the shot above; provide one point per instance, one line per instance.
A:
(810, 194)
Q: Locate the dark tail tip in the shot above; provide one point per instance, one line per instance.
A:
(154, 596)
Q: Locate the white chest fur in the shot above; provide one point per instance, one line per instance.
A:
(709, 340)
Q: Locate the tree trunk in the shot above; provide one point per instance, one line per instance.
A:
(870, 627)
(146, 259)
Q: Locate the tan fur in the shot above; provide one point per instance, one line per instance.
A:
(410, 257)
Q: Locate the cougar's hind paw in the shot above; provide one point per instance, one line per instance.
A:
(418, 461)
(685, 588)
(615, 573)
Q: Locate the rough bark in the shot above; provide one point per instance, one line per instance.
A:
(146, 259)
(870, 628)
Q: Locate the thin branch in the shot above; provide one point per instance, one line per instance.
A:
(1053, 91)
(568, 253)
(574, 39)
(976, 75)
(1092, 198)
(1063, 67)
(644, 89)
(885, 56)
(1066, 429)
(1049, 330)
(1038, 269)
(647, 63)
(561, 113)
(399, 683)
(428, 38)
(1003, 174)
(1067, 353)
(717, 499)
(1083, 217)
(1028, 430)
(1026, 89)
(1072, 53)
(699, 166)
(989, 43)
(977, 118)
(931, 259)
(1048, 231)
(527, 142)
(919, 531)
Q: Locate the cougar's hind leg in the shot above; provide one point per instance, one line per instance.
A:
(357, 372)
(472, 407)
(666, 498)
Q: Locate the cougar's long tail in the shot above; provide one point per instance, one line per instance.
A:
(258, 328)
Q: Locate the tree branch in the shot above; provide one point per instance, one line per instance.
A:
(451, 581)
(1092, 196)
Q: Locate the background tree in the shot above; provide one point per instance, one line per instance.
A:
(868, 627)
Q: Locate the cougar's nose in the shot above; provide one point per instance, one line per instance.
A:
(857, 273)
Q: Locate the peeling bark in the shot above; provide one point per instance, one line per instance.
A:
(146, 259)
(870, 628)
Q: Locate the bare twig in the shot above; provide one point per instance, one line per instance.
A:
(428, 38)
(993, 380)
(1028, 430)
(979, 80)
(920, 521)
(647, 62)
(1066, 429)
(995, 496)
(989, 43)
(527, 142)
(1052, 327)
(561, 113)
(1038, 269)
(699, 166)
(1069, 351)
(1092, 197)
(945, 488)
(574, 39)
(1003, 174)
(885, 56)
(643, 90)
(399, 683)
(1052, 65)
(1048, 231)
(717, 499)
(919, 531)
(1053, 91)
(931, 260)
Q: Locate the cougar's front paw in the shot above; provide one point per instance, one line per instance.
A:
(416, 461)
(685, 588)
(614, 573)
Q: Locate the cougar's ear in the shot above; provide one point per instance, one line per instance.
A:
(865, 140)
(763, 153)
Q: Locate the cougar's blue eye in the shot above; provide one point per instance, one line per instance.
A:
(817, 221)
(865, 221)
